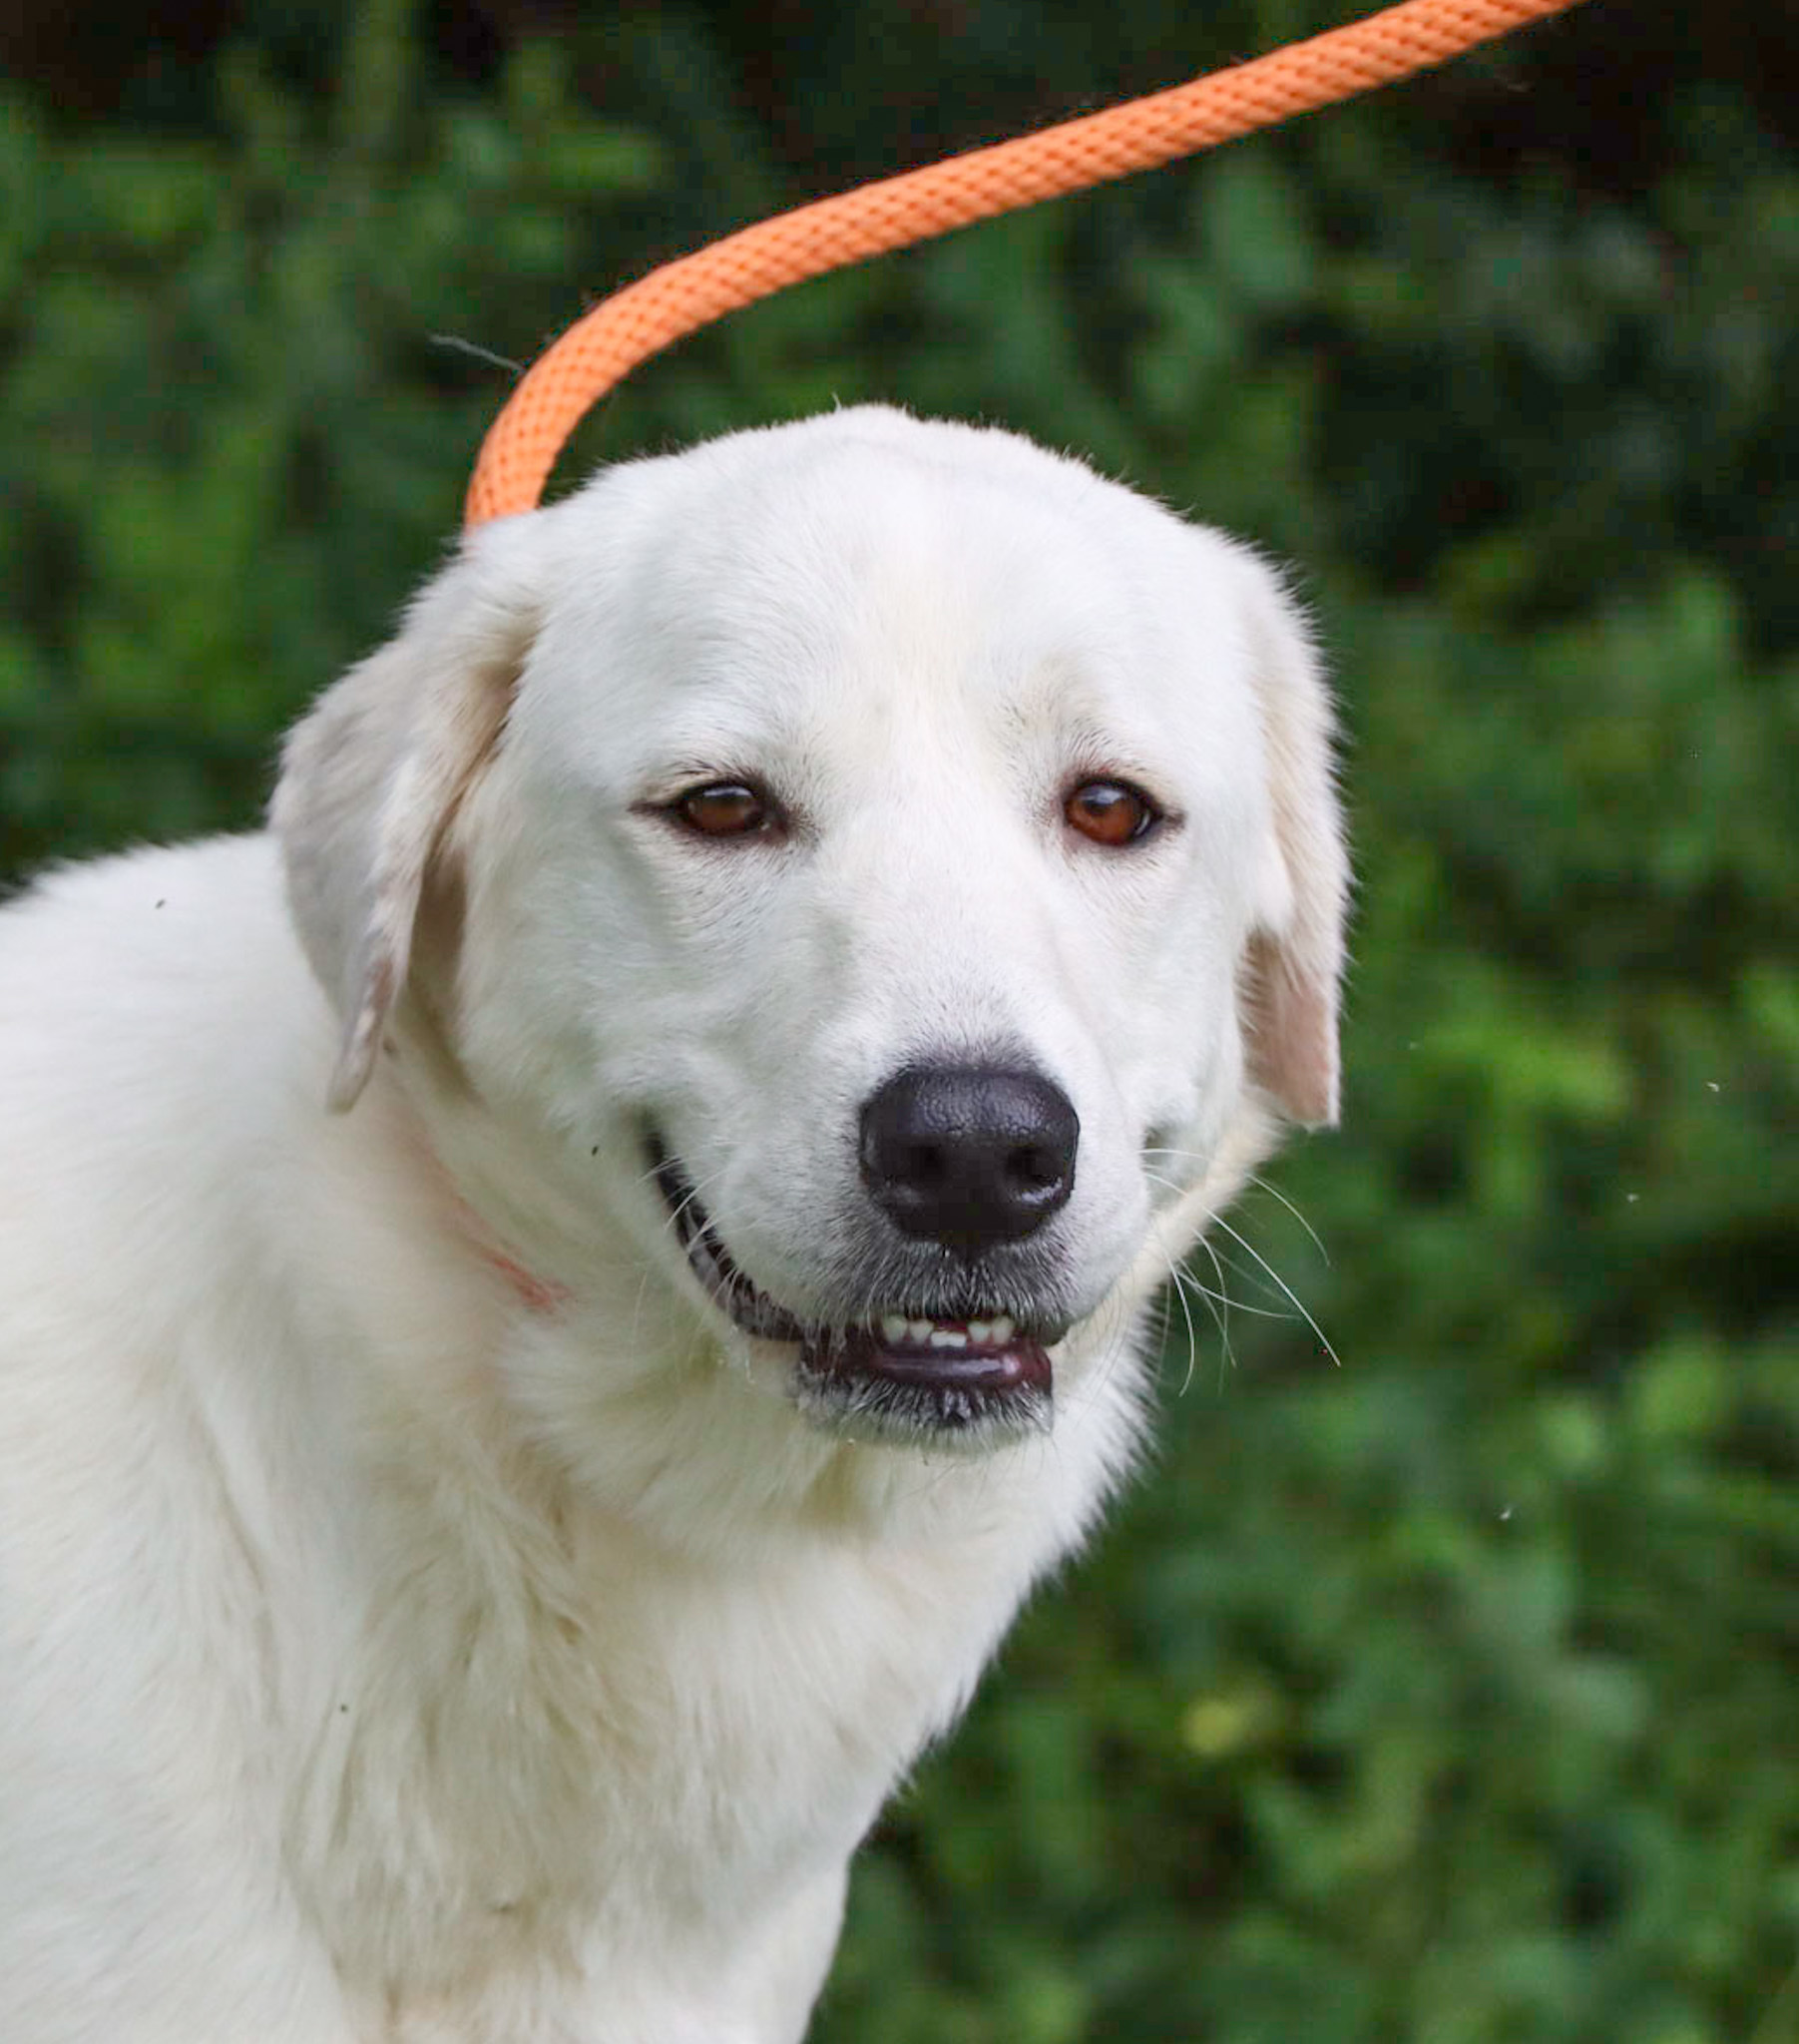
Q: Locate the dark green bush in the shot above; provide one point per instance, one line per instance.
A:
(1444, 1693)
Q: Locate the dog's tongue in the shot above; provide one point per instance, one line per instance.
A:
(942, 1355)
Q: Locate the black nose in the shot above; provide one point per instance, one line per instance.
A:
(969, 1156)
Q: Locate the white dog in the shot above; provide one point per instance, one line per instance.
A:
(799, 937)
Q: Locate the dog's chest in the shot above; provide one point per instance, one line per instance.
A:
(647, 1758)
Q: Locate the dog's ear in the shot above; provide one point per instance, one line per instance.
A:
(372, 776)
(1295, 961)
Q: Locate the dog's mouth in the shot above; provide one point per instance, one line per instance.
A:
(898, 1371)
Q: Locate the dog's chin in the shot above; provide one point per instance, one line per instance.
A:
(970, 1382)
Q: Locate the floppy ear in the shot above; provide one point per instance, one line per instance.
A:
(1294, 960)
(372, 776)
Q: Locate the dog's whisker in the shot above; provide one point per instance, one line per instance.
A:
(1226, 1300)
(1275, 1192)
(1258, 1280)
(1176, 1288)
(689, 1202)
(1217, 1304)
(1221, 1305)
(1287, 1290)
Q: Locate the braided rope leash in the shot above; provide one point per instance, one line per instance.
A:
(627, 328)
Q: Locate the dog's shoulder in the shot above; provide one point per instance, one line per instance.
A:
(112, 947)
(145, 1001)
(154, 1010)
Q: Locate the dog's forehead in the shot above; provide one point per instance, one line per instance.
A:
(779, 588)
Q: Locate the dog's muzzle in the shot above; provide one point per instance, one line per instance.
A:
(969, 1159)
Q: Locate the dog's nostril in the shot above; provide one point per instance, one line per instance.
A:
(969, 1156)
(1034, 1171)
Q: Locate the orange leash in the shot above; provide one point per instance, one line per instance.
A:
(606, 344)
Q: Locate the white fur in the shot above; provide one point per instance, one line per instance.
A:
(392, 1650)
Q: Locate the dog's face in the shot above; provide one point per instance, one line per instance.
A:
(883, 860)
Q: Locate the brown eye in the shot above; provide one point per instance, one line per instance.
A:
(724, 809)
(1111, 812)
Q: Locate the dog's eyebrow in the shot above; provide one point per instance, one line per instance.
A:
(1084, 719)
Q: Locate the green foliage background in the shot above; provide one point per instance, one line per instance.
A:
(1447, 1693)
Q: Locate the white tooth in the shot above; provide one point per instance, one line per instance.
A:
(893, 1328)
(979, 1332)
(1003, 1329)
(920, 1331)
(948, 1338)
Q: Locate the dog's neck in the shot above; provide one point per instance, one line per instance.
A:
(439, 1090)
(541, 1295)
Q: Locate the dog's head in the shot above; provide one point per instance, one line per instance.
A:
(879, 871)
